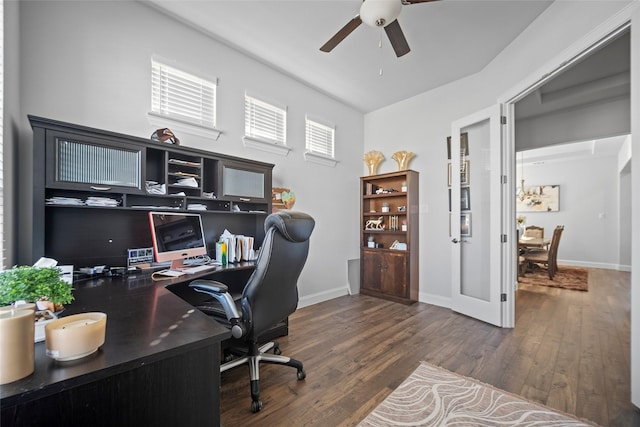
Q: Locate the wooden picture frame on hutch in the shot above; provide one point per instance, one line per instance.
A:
(389, 236)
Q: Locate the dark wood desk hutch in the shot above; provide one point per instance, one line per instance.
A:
(389, 214)
(81, 162)
(134, 379)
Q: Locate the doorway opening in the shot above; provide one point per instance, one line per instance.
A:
(569, 128)
(585, 98)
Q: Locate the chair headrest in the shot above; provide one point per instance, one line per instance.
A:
(294, 226)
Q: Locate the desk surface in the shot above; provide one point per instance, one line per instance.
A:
(145, 323)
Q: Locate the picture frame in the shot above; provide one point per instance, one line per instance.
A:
(464, 145)
(465, 173)
(538, 198)
(465, 199)
(465, 224)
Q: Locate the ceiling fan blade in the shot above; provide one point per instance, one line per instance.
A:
(340, 35)
(416, 1)
(396, 37)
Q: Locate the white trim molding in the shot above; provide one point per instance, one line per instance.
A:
(310, 156)
(270, 147)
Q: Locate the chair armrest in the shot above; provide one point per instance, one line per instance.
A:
(219, 291)
(209, 286)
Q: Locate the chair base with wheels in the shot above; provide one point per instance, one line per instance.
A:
(256, 355)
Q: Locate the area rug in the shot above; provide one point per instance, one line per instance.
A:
(574, 278)
(433, 396)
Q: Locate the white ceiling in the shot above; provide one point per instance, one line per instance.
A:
(449, 39)
(578, 150)
(603, 75)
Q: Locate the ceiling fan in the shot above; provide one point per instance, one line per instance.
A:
(377, 13)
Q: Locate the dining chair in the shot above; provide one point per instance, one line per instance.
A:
(547, 257)
(534, 231)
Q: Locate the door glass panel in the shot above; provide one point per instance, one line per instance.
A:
(475, 214)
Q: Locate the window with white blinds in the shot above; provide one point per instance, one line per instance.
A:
(182, 96)
(264, 121)
(319, 138)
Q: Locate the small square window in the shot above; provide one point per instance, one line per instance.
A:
(182, 96)
(320, 138)
(264, 121)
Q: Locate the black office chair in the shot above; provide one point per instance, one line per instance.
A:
(269, 297)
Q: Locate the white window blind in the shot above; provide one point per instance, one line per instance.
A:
(264, 121)
(319, 138)
(182, 96)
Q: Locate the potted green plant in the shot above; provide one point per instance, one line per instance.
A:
(33, 284)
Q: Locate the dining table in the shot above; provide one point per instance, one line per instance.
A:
(527, 242)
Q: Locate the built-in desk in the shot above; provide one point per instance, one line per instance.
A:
(159, 364)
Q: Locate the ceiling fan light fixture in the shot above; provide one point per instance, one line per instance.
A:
(380, 13)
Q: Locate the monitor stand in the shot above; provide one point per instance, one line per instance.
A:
(177, 264)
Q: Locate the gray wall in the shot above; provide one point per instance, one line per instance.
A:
(589, 208)
(89, 63)
(625, 217)
(11, 120)
(594, 121)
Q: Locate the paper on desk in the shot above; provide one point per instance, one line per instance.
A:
(239, 247)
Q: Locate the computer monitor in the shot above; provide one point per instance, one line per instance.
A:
(177, 236)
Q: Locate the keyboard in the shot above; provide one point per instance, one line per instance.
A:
(198, 269)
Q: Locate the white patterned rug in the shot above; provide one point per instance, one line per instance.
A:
(433, 396)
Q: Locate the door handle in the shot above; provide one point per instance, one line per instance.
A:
(454, 240)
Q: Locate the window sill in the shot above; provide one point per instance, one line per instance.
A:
(270, 147)
(178, 126)
(320, 159)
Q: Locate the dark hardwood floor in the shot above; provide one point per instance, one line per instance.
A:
(569, 350)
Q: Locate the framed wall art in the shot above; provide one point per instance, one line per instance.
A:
(464, 145)
(465, 173)
(465, 224)
(465, 199)
(538, 198)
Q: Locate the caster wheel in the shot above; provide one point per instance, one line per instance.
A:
(276, 350)
(256, 405)
(301, 375)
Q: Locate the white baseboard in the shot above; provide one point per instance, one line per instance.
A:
(323, 296)
(587, 264)
(432, 299)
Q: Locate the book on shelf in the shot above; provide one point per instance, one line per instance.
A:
(371, 189)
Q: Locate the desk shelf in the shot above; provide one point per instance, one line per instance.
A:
(82, 235)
